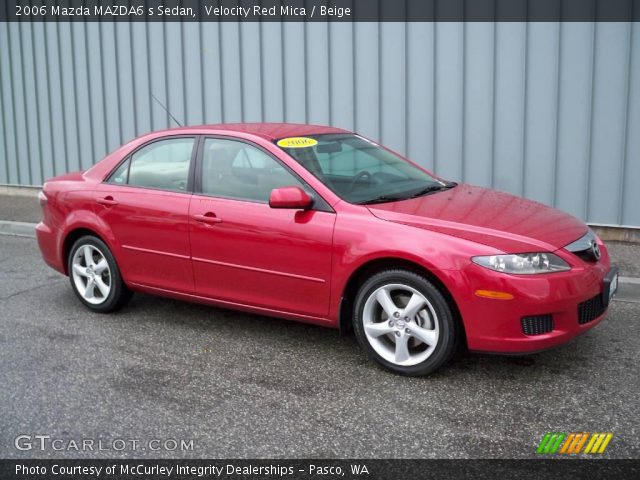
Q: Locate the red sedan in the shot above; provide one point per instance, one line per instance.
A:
(322, 225)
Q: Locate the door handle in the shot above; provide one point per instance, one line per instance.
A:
(107, 201)
(208, 217)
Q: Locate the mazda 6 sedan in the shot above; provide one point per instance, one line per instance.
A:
(322, 225)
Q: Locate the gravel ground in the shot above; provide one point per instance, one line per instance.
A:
(247, 386)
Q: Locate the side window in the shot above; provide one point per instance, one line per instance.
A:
(238, 170)
(163, 164)
(119, 177)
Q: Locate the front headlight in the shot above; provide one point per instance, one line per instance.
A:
(523, 263)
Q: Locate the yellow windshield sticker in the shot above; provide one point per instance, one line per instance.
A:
(297, 142)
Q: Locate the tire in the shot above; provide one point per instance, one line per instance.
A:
(415, 333)
(95, 276)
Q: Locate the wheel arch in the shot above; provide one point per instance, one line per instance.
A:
(377, 265)
(71, 237)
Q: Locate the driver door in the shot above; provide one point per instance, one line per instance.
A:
(245, 252)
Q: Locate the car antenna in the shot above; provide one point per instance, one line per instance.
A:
(166, 110)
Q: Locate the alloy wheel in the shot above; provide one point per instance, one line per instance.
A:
(91, 274)
(401, 324)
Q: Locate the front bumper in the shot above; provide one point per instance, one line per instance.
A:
(494, 325)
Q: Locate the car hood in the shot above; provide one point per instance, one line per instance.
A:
(500, 220)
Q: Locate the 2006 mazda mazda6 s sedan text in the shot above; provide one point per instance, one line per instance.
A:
(321, 225)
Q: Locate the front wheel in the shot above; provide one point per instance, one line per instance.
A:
(95, 276)
(403, 322)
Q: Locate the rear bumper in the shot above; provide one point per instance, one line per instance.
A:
(49, 248)
(495, 326)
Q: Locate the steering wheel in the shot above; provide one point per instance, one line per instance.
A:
(360, 175)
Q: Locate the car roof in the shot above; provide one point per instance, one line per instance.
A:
(268, 131)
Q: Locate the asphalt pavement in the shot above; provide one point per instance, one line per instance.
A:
(234, 385)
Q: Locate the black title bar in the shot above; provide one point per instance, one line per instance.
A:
(313, 469)
(320, 10)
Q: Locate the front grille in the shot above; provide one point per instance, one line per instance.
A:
(590, 310)
(537, 325)
(586, 247)
(586, 255)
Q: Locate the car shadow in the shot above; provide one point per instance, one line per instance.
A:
(324, 345)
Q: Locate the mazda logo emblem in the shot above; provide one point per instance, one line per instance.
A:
(595, 250)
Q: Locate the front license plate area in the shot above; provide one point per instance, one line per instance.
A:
(610, 286)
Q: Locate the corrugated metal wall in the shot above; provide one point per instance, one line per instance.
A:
(549, 111)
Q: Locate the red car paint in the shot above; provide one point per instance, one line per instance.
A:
(297, 263)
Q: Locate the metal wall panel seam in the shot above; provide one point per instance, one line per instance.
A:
(525, 86)
(39, 108)
(149, 82)
(623, 159)
(134, 103)
(104, 97)
(464, 98)
(75, 94)
(63, 100)
(493, 102)
(590, 134)
(185, 105)
(21, 26)
(202, 73)
(117, 83)
(353, 77)
(329, 61)
(261, 73)
(2, 123)
(241, 69)
(3, 143)
(284, 74)
(406, 83)
(554, 190)
(2, 111)
(13, 102)
(306, 72)
(434, 146)
(379, 66)
(220, 64)
(630, 208)
(167, 91)
(6, 121)
(69, 83)
(94, 154)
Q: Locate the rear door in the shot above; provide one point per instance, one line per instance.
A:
(145, 202)
(245, 252)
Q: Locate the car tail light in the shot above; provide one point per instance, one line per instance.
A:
(42, 198)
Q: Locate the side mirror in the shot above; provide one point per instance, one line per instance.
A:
(290, 197)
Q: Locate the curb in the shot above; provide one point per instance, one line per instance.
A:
(18, 229)
(19, 190)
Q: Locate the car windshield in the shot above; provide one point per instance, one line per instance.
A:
(358, 170)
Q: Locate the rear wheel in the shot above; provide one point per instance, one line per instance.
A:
(95, 276)
(403, 322)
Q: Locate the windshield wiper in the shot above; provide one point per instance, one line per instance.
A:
(433, 188)
(382, 199)
(419, 193)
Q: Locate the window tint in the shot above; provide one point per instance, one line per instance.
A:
(163, 164)
(238, 170)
